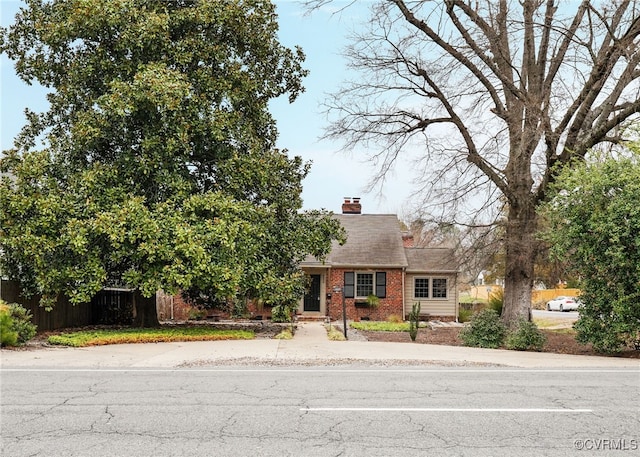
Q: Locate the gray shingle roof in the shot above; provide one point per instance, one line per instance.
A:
(375, 241)
(435, 260)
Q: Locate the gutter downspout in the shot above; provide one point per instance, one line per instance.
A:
(457, 297)
(328, 290)
(404, 303)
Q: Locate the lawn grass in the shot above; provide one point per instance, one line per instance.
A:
(550, 323)
(468, 299)
(563, 331)
(381, 326)
(334, 334)
(146, 335)
(285, 334)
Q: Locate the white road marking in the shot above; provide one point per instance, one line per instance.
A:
(453, 410)
(310, 369)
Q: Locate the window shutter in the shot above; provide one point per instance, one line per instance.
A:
(381, 284)
(349, 282)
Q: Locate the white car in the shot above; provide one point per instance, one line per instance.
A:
(563, 304)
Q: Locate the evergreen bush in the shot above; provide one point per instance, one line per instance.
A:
(281, 313)
(485, 330)
(464, 315)
(496, 301)
(8, 336)
(526, 337)
(15, 324)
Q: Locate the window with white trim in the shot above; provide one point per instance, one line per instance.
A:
(362, 284)
(439, 288)
(430, 287)
(421, 288)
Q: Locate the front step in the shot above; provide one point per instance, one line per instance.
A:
(311, 318)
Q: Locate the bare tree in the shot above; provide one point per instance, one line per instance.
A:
(476, 248)
(495, 97)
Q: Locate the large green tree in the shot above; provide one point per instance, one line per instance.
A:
(155, 165)
(489, 99)
(594, 226)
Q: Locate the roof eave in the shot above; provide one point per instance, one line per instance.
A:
(370, 266)
(433, 271)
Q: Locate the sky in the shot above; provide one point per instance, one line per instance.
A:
(322, 36)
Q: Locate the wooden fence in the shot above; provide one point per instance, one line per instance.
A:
(482, 293)
(107, 307)
(543, 296)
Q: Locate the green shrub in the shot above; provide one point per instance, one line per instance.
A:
(496, 300)
(281, 313)
(22, 323)
(15, 324)
(373, 301)
(464, 315)
(526, 337)
(485, 330)
(610, 324)
(8, 336)
(394, 318)
(239, 307)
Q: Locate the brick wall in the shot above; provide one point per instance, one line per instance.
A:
(180, 308)
(257, 311)
(391, 304)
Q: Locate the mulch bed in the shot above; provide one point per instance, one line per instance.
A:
(559, 343)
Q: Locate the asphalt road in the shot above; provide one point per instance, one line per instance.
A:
(567, 315)
(319, 412)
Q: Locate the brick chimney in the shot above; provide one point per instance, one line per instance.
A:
(351, 206)
(407, 240)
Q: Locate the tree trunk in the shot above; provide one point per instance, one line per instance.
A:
(145, 313)
(519, 263)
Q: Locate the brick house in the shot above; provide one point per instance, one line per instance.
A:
(378, 259)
